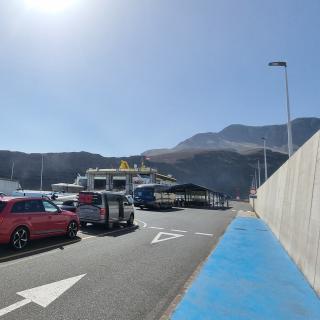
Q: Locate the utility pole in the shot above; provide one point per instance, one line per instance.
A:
(265, 159)
(284, 64)
(259, 174)
(12, 168)
(41, 174)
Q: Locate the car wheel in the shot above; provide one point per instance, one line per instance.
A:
(83, 224)
(72, 230)
(130, 221)
(19, 238)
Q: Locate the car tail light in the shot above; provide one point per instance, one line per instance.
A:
(102, 213)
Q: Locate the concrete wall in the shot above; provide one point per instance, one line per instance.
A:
(290, 204)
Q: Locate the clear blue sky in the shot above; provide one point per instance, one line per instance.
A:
(117, 77)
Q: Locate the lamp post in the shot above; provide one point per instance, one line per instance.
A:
(259, 175)
(41, 173)
(265, 159)
(284, 64)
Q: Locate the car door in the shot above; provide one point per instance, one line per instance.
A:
(55, 221)
(30, 213)
(127, 207)
(113, 204)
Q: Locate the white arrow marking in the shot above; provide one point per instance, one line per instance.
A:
(171, 236)
(43, 295)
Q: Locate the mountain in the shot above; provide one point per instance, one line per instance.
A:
(221, 170)
(223, 161)
(240, 138)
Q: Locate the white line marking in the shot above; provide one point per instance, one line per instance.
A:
(43, 295)
(14, 306)
(233, 210)
(144, 224)
(156, 228)
(88, 237)
(204, 234)
(171, 236)
(175, 230)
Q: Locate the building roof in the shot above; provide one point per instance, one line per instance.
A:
(193, 187)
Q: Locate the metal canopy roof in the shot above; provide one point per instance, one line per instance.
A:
(189, 187)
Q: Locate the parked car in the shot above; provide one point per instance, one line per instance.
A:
(25, 219)
(104, 208)
(153, 196)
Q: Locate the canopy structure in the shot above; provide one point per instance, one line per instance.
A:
(192, 195)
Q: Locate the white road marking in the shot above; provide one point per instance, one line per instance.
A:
(156, 228)
(144, 224)
(171, 236)
(43, 295)
(14, 306)
(88, 237)
(204, 234)
(175, 230)
(233, 210)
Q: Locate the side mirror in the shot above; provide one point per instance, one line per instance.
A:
(126, 204)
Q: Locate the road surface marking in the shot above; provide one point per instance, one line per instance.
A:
(43, 295)
(144, 224)
(156, 228)
(233, 210)
(88, 237)
(171, 236)
(204, 234)
(175, 230)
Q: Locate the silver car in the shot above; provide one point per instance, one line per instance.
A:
(104, 207)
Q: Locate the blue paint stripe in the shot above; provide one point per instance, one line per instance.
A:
(249, 276)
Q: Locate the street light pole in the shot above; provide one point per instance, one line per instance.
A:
(265, 159)
(290, 148)
(284, 64)
(41, 174)
(259, 175)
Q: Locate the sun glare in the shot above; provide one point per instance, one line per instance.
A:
(49, 5)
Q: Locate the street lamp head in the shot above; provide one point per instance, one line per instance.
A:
(277, 64)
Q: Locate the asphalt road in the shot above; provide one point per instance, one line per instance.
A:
(125, 275)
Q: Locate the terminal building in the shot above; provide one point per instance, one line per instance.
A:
(125, 179)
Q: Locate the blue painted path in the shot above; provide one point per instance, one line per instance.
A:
(249, 276)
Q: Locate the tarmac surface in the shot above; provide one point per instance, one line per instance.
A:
(126, 273)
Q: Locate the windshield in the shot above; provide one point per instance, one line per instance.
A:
(144, 192)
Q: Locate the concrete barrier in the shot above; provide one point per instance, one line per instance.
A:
(289, 202)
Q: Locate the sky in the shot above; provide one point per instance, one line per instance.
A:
(118, 77)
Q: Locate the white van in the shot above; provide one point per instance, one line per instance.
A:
(104, 208)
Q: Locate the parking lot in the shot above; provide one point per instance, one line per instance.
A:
(122, 273)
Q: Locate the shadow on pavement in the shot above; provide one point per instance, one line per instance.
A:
(102, 231)
(35, 247)
(174, 209)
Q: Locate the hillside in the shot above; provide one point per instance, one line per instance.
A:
(241, 138)
(225, 171)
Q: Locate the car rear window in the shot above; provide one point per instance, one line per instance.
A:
(90, 198)
(2, 205)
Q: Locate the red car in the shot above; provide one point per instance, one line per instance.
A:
(24, 219)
